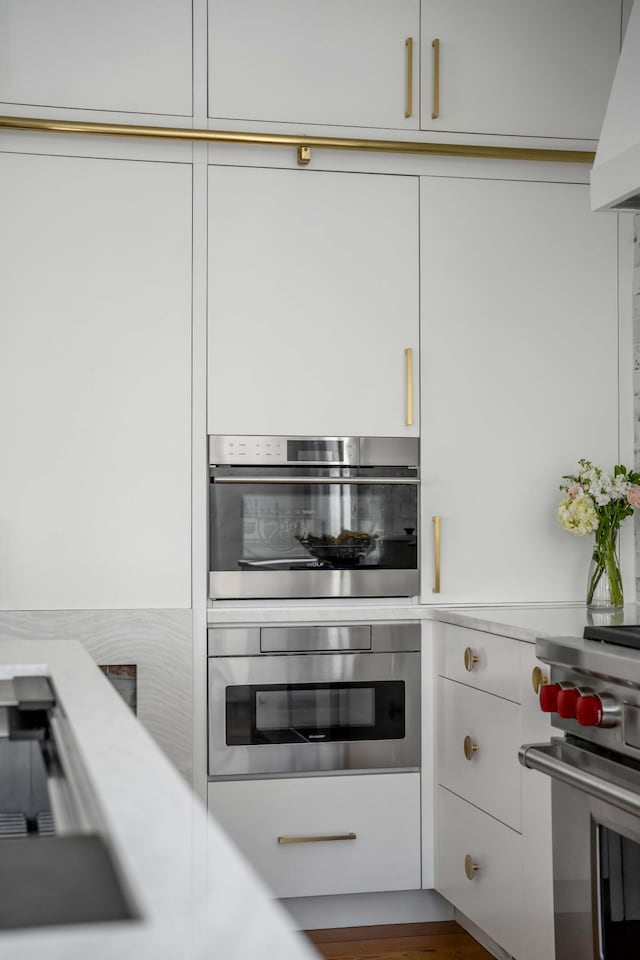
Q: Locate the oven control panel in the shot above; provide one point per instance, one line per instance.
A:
(593, 708)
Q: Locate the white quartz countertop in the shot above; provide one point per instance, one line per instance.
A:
(522, 622)
(196, 895)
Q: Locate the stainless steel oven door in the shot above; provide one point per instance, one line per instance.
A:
(596, 850)
(344, 693)
(313, 532)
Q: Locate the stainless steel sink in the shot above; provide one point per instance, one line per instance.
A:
(56, 865)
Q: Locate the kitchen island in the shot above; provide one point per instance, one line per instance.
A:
(191, 894)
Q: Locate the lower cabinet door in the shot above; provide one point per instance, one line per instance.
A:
(489, 895)
(287, 830)
(478, 750)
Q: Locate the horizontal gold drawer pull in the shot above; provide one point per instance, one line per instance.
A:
(470, 868)
(469, 748)
(469, 659)
(321, 839)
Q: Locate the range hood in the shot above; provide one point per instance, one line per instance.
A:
(615, 178)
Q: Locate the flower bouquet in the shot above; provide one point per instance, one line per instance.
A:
(598, 503)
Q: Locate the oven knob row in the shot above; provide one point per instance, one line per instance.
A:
(589, 709)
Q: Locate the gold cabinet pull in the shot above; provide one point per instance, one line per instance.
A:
(327, 838)
(409, 45)
(469, 748)
(470, 868)
(538, 680)
(409, 358)
(470, 659)
(436, 554)
(436, 79)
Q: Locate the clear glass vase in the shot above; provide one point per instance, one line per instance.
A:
(604, 583)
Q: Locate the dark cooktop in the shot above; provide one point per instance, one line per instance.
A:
(627, 635)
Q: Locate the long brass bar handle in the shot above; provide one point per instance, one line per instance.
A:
(409, 358)
(436, 79)
(320, 839)
(436, 554)
(409, 45)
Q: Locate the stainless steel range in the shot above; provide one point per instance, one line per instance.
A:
(594, 698)
(313, 517)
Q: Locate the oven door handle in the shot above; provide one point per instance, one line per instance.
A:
(317, 480)
(601, 778)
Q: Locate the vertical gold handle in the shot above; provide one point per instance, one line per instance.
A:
(436, 554)
(409, 356)
(436, 79)
(409, 45)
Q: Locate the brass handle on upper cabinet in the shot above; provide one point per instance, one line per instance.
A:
(469, 659)
(409, 357)
(469, 748)
(320, 839)
(538, 680)
(436, 79)
(436, 554)
(409, 45)
(470, 868)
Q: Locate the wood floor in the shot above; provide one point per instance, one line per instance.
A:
(402, 941)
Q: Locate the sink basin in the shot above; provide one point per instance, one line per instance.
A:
(48, 881)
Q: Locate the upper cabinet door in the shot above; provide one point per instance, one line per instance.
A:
(119, 55)
(519, 290)
(315, 61)
(95, 383)
(539, 68)
(313, 302)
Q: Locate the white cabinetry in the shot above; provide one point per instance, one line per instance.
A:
(534, 68)
(519, 291)
(339, 62)
(119, 55)
(493, 819)
(377, 818)
(313, 302)
(95, 394)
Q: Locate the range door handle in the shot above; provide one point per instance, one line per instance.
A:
(603, 779)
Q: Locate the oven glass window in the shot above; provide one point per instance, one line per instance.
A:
(315, 712)
(315, 709)
(262, 526)
(619, 883)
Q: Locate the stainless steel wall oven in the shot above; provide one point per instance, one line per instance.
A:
(313, 699)
(313, 517)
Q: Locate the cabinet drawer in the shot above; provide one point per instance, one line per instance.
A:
(492, 899)
(496, 668)
(491, 778)
(383, 811)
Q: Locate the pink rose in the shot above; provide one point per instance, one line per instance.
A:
(633, 496)
(573, 491)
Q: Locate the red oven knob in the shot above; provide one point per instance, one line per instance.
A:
(589, 711)
(567, 703)
(549, 697)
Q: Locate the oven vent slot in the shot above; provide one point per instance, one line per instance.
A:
(314, 639)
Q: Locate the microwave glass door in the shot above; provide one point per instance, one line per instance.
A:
(265, 524)
(314, 712)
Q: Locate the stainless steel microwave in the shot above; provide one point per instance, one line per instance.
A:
(313, 517)
(304, 699)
